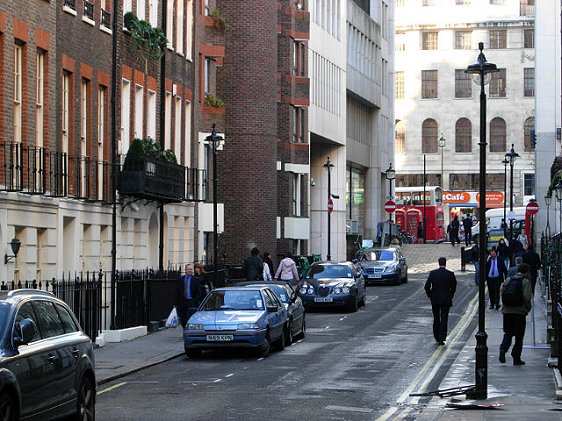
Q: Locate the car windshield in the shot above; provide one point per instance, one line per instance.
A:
(385, 255)
(234, 300)
(329, 271)
(281, 293)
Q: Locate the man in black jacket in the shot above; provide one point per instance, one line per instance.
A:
(253, 266)
(495, 274)
(532, 258)
(440, 287)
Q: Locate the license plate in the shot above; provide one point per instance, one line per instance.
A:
(323, 300)
(220, 338)
(377, 276)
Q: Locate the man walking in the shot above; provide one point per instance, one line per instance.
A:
(495, 274)
(467, 225)
(253, 266)
(440, 287)
(188, 295)
(514, 317)
(532, 258)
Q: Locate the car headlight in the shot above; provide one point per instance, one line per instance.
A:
(345, 290)
(248, 326)
(337, 290)
(310, 290)
(303, 290)
(389, 269)
(195, 326)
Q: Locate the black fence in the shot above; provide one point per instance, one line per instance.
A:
(551, 256)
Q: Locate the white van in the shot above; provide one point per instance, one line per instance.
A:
(494, 217)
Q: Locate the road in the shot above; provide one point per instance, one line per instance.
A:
(350, 366)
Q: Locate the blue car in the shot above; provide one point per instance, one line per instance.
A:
(237, 317)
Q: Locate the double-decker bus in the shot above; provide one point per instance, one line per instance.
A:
(410, 211)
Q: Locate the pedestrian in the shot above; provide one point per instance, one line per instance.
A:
(522, 238)
(504, 252)
(420, 233)
(514, 317)
(440, 287)
(514, 270)
(455, 226)
(532, 258)
(516, 249)
(475, 257)
(467, 225)
(495, 274)
(253, 266)
(205, 284)
(266, 276)
(287, 269)
(267, 260)
(187, 295)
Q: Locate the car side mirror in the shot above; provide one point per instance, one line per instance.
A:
(272, 309)
(293, 297)
(24, 333)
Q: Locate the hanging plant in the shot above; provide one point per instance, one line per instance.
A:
(143, 33)
(220, 23)
(213, 101)
(147, 147)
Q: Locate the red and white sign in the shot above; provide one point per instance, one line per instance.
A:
(330, 205)
(532, 208)
(389, 206)
(494, 199)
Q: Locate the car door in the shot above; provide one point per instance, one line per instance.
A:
(359, 281)
(297, 309)
(277, 318)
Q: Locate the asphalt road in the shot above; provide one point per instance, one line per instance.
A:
(350, 366)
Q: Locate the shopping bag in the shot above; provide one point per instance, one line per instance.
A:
(172, 320)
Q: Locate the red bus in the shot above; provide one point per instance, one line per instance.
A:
(410, 208)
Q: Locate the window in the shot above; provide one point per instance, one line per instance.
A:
(178, 122)
(498, 84)
(528, 130)
(399, 85)
(189, 30)
(498, 38)
(463, 84)
(298, 58)
(170, 24)
(429, 84)
(187, 136)
(498, 2)
(428, 2)
(65, 123)
(84, 87)
(463, 40)
(429, 136)
(400, 138)
(462, 2)
(297, 122)
(39, 98)
(153, 12)
(207, 76)
(529, 81)
(102, 98)
(463, 135)
(26, 312)
(68, 323)
(296, 197)
(18, 80)
(125, 115)
(141, 9)
(49, 322)
(529, 184)
(429, 40)
(139, 111)
(168, 122)
(400, 41)
(151, 115)
(179, 26)
(529, 38)
(497, 135)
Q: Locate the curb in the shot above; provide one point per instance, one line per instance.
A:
(557, 382)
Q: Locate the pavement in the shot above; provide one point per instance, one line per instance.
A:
(527, 392)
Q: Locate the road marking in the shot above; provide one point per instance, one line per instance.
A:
(110, 388)
(229, 375)
(343, 318)
(327, 327)
(217, 381)
(349, 409)
(433, 364)
(260, 359)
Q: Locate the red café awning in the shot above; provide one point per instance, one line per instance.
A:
(494, 199)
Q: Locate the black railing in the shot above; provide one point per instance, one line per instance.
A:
(551, 256)
(12, 175)
(34, 170)
(58, 170)
(105, 18)
(89, 9)
(70, 3)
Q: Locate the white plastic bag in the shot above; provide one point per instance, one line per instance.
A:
(172, 320)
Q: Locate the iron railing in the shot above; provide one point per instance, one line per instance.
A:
(551, 256)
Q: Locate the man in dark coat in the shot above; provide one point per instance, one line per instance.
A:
(532, 258)
(495, 275)
(440, 287)
(188, 295)
(253, 266)
(455, 226)
(467, 225)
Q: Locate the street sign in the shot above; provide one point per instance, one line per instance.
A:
(532, 208)
(389, 206)
(330, 205)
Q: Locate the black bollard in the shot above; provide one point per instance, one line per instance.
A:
(463, 262)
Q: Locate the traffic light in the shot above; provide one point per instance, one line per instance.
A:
(533, 139)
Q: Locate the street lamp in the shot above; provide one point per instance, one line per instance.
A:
(479, 70)
(558, 190)
(548, 201)
(329, 165)
(441, 144)
(215, 139)
(504, 224)
(390, 175)
(511, 156)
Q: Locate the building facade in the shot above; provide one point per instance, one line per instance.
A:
(437, 108)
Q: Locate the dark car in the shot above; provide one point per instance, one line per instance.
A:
(296, 317)
(333, 284)
(384, 265)
(46, 360)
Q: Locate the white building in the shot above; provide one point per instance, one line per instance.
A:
(435, 42)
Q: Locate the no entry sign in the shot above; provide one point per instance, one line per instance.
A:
(532, 208)
(389, 206)
(330, 205)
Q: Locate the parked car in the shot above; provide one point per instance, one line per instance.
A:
(237, 317)
(46, 360)
(333, 284)
(296, 317)
(384, 265)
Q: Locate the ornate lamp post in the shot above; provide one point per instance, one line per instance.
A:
(390, 175)
(558, 190)
(511, 156)
(479, 71)
(441, 142)
(329, 165)
(548, 201)
(504, 223)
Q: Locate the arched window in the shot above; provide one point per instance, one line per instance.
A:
(400, 138)
(429, 136)
(463, 135)
(527, 127)
(497, 135)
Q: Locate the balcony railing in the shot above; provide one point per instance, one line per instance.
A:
(105, 18)
(89, 9)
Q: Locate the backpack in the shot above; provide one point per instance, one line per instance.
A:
(512, 294)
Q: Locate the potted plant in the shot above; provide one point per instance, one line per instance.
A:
(143, 33)
(213, 101)
(220, 23)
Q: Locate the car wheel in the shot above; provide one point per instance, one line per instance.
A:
(263, 350)
(86, 405)
(302, 334)
(8, 408)
(193, 353)
(289, 339)
(352, 306)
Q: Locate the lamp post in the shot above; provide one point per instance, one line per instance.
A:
(480, 70)
(441, 144)
(213, 138)
(558, 190)
(329, 165)
(511, 156)
(548, 201)
(390, 175)
(504, 223)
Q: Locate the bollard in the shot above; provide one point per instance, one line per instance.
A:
(463, 263)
